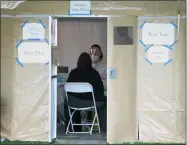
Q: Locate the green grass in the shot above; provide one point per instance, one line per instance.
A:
(55, 142)
(127, 143)
(153, 143)
(24, 142)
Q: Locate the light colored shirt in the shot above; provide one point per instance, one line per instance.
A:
(101, 67)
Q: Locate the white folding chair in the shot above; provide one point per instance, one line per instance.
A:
(80, 88)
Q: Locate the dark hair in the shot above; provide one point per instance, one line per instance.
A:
(84, 61)
(96, 45)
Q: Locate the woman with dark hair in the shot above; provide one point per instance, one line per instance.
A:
(84, 72)
(96, 53)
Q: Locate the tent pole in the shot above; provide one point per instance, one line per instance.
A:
(186, 77)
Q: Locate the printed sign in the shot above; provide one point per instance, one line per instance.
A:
(158, 34)
(33, 52)
(80, 8)
(33, 31)
(158, 54)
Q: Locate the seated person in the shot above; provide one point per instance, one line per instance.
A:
(84, 72)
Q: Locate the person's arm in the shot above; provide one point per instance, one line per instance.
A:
(105, 79)
(103, 74)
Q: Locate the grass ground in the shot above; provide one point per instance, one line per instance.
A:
(24, 142)
(45, 143)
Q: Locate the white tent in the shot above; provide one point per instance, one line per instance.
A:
(146, 102)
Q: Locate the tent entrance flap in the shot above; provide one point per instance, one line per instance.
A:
(121, 62)
(26, 78)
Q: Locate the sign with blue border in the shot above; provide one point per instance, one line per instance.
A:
(33, 31)
(160, 54)
(80, 8)
(37, 55)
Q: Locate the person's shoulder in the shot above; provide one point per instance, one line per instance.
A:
(74, 70)
(102, 66)
(95, 71)
(102, 63)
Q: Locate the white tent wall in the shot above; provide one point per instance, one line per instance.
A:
(25, 92)
(161, 90)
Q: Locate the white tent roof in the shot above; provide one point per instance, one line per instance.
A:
(10, 4)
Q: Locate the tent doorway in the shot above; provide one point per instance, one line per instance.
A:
(77, 35)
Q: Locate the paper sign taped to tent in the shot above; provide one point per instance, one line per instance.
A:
(113, 73)
(80, 8)
(158, 54)
(33, 31)
(158, 34)
(33, 52)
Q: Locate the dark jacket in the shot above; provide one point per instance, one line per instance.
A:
(90, 76)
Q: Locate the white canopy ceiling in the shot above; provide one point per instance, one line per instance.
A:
(10, 4)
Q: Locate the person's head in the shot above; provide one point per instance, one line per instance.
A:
(96, 53)
(84, 61)
(122, 31)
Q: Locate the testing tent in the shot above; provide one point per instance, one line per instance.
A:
(146, 101)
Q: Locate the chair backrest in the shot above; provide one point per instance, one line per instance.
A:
(79, 88)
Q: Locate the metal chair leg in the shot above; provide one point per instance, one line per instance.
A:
(98, 122)
(93, 123)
